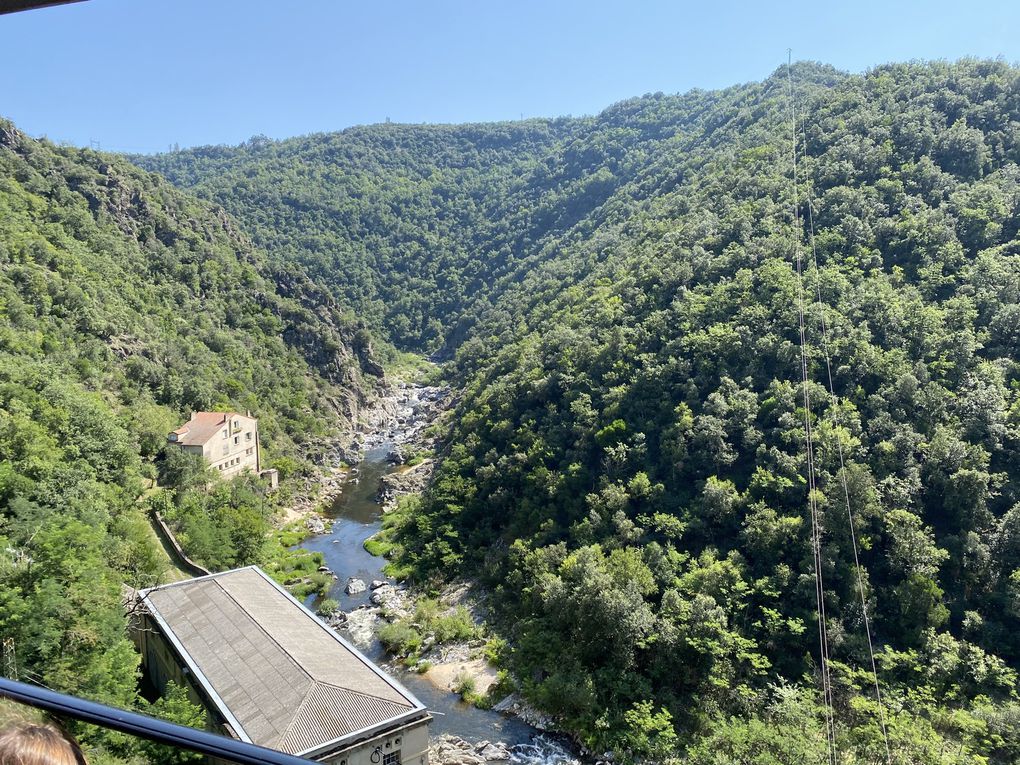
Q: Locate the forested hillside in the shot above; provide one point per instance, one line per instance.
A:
(126, 304)
(626, 469)
(403, 223)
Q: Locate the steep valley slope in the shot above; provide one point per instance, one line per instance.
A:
(126, 304)
(626, 470)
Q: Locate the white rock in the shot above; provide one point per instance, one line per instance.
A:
(361, 624)
(383, 593)
(493, 752)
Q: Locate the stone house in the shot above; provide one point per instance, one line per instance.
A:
(269, 672)
(229, 441)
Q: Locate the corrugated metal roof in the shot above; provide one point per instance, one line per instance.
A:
(329, 712)
(281, 674)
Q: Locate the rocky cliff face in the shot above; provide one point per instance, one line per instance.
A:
(341, 351)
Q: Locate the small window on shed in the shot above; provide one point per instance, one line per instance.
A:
(391, 758)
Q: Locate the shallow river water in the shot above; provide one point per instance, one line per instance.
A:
(356, 517)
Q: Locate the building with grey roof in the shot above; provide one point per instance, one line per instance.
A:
(269, 672)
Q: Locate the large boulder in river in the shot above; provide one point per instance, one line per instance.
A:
(361, 625)
(393, 601)
(492, 752)
(381, 596)
(411, 481)
(446, 749)
(354, 586)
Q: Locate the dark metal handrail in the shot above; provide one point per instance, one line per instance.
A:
(144, 726)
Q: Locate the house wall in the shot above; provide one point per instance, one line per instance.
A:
(159, 660)
(234, 448)
(408, 745)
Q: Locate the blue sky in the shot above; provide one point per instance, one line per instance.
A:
(139, 75)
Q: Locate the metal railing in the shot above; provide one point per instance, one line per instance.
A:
(151, 728)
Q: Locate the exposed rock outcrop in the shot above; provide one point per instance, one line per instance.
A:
(361, 624)
(411, 481)
(453, 750)
(393, 600)
(316, 525)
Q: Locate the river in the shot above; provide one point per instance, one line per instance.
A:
(356, 516)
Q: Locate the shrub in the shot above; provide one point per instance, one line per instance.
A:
(327, 607)
(464, 684)
(400, 638)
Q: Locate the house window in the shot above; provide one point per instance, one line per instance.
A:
(249, 450)
(237, 439)
(224, 433)
(247, 436)
(391, 758)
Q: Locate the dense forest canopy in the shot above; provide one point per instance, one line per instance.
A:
(403, 223)
(625, 470)
(626, 466)
(126, 304)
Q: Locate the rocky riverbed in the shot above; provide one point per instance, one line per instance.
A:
(379, 474)
(542, 750)
(399, 418)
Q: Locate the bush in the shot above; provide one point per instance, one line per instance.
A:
(377, 545)
(464, 684)
(455, 626)
(400, 638)
(327, 607)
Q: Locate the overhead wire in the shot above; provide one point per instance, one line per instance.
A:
(823, 639)
(837, 420)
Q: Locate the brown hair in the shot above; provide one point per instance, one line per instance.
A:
(38, 744)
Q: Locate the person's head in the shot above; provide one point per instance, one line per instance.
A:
(29, 743)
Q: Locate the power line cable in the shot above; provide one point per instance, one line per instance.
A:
(823, 639)
(837, 420)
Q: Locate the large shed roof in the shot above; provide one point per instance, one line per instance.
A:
(279, 676)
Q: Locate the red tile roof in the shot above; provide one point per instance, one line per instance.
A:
(202, 426)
